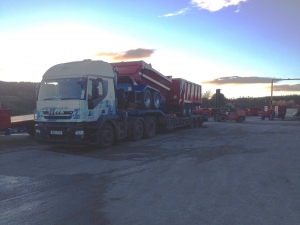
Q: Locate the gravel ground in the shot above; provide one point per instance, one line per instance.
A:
(221, 173)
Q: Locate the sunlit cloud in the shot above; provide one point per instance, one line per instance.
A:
(180, 12)
(240, 80)
(210, 5)
(215, 5)
(138, 53)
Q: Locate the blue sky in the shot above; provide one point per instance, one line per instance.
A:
(235, 45)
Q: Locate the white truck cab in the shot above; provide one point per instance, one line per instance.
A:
(71, 97)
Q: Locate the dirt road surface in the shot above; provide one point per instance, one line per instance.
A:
(222, 173)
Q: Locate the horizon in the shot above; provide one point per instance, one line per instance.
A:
(237, 46)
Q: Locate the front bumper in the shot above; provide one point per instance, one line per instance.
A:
(64, 133)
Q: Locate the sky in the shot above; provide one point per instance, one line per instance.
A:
(237, 46)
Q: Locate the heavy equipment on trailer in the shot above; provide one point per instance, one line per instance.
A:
(88, 103)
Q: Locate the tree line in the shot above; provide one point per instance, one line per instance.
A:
(20, 97)
(209, 101)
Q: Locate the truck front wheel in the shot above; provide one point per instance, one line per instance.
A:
(107, 136)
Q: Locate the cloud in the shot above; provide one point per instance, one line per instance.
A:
(180, 12)
(287, 88)
(129, 54)
(215, 5)
(210, 5)
(240, 80)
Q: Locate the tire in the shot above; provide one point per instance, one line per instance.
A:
(240, 119)
(192, 124)
(222, 118)
(106, 136)
(16, 130)
(150, 127)
(146, 100)
(137, 130)
(156, 100)
(282, 117)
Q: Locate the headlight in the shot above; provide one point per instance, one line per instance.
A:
(79, 132)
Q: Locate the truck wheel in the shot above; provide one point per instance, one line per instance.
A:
(107, 136)
(222, 118)
(138, 130)
(240, 119)
(146, 100)
(156, 100)
(150, 127)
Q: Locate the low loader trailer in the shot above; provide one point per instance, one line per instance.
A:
(16, 122)
(95, 103)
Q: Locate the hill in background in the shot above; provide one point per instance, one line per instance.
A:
(20, 97)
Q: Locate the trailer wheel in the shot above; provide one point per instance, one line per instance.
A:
(137, 130)
(222, 118)
(107, 136)
(150, 127)
(16, 129)
(156, 100)
(146, 100)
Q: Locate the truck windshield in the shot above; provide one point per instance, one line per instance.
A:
(63, 89)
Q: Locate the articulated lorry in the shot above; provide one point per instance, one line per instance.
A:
(95, 103)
